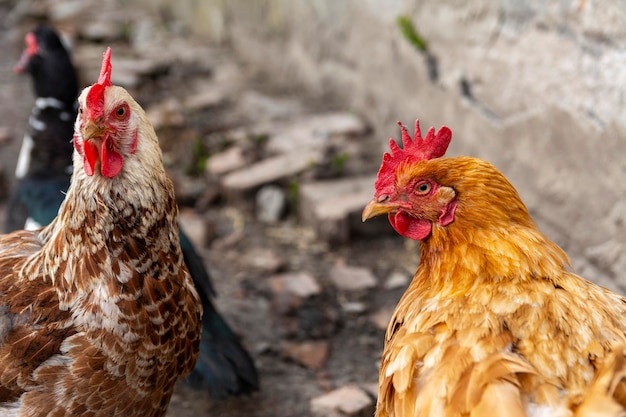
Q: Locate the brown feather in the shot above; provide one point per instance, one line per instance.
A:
(599, 400)
(500, 398)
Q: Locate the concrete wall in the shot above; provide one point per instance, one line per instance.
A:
(536, 87)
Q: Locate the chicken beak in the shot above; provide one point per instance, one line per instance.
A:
(376, 208)
(92, 129)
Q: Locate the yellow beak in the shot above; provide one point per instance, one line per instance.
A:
(92, 129)
(375, 208)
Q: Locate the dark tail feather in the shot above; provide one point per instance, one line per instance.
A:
(195, 264)
(37, 198)
(224, 367)
(16, 213)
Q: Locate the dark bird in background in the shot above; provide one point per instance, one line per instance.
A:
(44, 164)
(43, 172)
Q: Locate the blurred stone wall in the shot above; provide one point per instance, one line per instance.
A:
(537, 87)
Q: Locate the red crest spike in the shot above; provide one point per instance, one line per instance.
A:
(105, 72)
(95, 97)
(413, 150)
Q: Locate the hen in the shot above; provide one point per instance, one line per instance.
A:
(98, 314)
(44, 165)
(224, 366)
(494, 323)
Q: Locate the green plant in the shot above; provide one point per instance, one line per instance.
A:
(293, 193)
(339, 161)
(410, 33)
(200, 156)
(259, 139)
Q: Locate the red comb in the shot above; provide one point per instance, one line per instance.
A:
(413, 150)
(95, 97)
(105, 72)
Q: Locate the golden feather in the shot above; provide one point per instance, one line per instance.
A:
(494, 322)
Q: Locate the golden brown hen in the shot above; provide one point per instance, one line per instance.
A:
(98, 314)
(493, 323)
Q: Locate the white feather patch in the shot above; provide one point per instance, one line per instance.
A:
(36, 124)
(23, 160)
(11, 409)
(31, 224)
(45, 102)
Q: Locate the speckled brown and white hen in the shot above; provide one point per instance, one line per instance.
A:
(98, 314)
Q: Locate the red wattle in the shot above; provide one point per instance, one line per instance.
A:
(112, 160)
(90, 158)
(409, 226)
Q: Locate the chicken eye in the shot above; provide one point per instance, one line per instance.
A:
(120, 113)
(423, 188)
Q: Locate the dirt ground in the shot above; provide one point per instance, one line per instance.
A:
(238, 245)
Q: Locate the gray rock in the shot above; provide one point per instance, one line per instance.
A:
(226, 161)
(352, 278)
(353, 307)
(312, 354)
(380, 318)
(313, 132)
(271, 201)
(209, 97)
(300, 284)
(349, 400)
(61, 10)
(397, 280)
(328, 205)
(98, 31)
(262, 260)
(371, 387)
(269, 170)
(266, 107)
